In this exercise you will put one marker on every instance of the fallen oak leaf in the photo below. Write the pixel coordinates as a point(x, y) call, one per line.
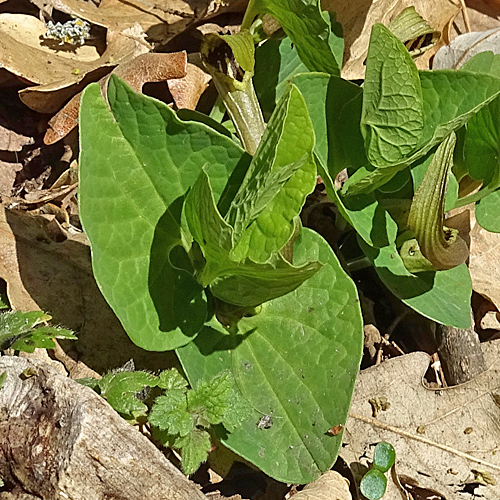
point(143, 69)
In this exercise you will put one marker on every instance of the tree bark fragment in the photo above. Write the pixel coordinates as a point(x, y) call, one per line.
point(60, 440)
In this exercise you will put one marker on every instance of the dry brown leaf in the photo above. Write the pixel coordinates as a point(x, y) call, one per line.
point(11, 143)
point(330, 486)
point(56, 72)
point(186, 91)
point(50, 96)
point(483, 15)
point(484, 263)
point(161, 19)
point(440, 436)
point(490, 321)
point(357, 19)
point(144, 68)
point(48, 268)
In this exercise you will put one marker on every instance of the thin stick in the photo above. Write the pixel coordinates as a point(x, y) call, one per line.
point(443, 447)
point(465, 15)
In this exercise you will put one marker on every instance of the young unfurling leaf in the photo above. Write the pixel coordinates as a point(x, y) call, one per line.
point(440, 245)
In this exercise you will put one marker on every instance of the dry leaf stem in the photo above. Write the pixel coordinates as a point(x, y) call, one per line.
point(390, 428)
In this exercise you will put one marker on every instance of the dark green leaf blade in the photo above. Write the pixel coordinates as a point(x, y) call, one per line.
point(210, 400)
point(334, 105)
point(194, 449)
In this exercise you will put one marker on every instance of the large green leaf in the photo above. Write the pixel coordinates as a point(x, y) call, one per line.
point(276, 63)
point(334, 105)
point(443, 296)
point(296, 361)
point(392, 118)
point(484, 62)
point(308, 29)
point(450, 99)
point(137, 162)
point(288, 139)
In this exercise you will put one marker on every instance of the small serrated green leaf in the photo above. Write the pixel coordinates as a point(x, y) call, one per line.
point(171, 379)
point(194, 447)
point(373, 484)
point(91, 382)
point(392, 119)
point(170, 413)
point(127, 382)
point(384, 456)
point(13, 323)
point(210, 400)
point(121, 389)
point(41, 338)
point(3, 376)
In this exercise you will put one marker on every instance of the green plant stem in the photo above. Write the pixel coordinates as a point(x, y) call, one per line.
point(473, 198)
point(250, 15)
point(244, 110)
point(358, 264)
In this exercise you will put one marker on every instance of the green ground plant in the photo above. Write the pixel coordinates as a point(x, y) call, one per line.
point(374, 483)
point(27, 331)
point(179, 417)
point(195, 233)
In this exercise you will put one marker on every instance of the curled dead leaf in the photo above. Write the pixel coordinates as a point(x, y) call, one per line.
point(144, 68)
point(186, 91)
point(50, 95)
point(330, 486)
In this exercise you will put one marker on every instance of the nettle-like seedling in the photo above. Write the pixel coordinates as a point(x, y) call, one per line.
point(27, 331)
point(374, 483)
point(179, 417)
